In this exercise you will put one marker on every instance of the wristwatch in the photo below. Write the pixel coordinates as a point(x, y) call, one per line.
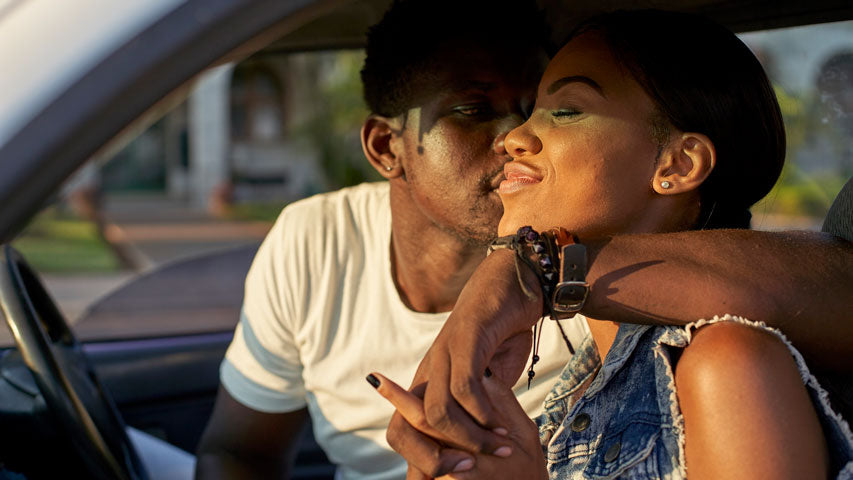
point(572, 289)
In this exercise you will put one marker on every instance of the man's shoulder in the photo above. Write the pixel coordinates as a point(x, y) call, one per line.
point(358, 217)
point(361, 202)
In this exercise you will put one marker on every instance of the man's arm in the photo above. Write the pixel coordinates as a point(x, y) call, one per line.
point(240, 442)
point(798, 282)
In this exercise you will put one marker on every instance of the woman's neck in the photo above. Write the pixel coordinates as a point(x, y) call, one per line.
point(603, 332)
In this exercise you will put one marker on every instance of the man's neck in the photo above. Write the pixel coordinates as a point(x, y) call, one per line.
point(429, 265)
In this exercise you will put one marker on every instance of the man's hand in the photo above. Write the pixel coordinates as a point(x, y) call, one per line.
point(489, 328)
point(520, 434)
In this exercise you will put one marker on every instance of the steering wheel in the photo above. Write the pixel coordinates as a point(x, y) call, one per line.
point(64, 375)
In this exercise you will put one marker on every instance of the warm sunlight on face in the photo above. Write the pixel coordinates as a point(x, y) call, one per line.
point(586, 157)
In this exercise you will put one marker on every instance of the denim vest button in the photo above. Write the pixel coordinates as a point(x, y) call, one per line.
point(580, 422)
point(612, 452)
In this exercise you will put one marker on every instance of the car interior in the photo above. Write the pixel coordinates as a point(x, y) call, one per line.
point(67, 393)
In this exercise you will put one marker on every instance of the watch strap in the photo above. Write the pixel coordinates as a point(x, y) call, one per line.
point(572, 289)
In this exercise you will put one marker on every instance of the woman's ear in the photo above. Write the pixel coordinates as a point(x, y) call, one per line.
point(376, 140)
point(684, 164)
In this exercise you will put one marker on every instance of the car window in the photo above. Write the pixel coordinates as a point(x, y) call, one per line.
point(811, 68)
point(133, 244)
point(212, 174)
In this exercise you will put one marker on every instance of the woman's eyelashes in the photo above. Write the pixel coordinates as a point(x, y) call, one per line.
point(565, 113)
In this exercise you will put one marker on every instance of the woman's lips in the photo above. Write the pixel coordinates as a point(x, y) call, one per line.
point(518, 176)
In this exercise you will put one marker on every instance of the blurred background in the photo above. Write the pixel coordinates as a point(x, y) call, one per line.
point(213, 170)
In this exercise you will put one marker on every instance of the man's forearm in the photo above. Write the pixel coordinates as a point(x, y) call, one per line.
point(240, 442)
point(799, 282)
point(214, 466)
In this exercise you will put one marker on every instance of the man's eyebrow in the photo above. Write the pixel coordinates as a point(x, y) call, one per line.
point(558, 84)
point(471, 85)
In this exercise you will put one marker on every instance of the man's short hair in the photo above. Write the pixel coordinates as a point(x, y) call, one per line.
point(402, 48)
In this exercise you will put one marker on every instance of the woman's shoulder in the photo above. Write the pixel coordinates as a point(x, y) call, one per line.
point(731, 363)
point(745, 405)
point(734, 348)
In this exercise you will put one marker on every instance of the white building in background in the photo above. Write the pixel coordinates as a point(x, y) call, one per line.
point(246, 132)
point(239, 147)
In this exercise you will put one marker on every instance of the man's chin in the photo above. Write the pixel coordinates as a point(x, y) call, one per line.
point(479, 235)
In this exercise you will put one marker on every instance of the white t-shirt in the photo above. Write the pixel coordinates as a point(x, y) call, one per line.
point(321, 311)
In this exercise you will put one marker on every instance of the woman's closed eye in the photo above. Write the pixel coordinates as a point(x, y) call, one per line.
point(565, 113)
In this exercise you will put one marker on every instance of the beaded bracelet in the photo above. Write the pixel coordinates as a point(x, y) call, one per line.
point(541, 252)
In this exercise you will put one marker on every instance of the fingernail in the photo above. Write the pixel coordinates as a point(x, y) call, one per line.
point(504, 451)
point(371, 379)
point(464, 465)
point(487, 373)
point(501, 431)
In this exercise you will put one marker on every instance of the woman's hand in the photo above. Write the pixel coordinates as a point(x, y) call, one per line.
point(521, 433)
point(489, 327)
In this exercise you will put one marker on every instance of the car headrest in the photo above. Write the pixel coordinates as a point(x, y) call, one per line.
point(839, 219)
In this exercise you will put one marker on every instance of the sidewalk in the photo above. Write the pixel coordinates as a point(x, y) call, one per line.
point(159, 230)
point(155, 230)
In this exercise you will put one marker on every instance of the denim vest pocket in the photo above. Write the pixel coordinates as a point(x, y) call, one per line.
point(625, 453)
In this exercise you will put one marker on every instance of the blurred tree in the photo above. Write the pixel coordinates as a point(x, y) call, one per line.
point(334, 124)
point(799, 192)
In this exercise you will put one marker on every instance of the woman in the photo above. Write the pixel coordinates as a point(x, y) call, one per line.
point(655, 122)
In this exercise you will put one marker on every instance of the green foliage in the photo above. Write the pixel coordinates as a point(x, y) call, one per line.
point(334, 126)
point(254, 212)
point(798, 193)
point(60, 243)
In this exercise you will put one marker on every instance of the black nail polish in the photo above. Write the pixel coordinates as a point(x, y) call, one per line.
point(487, 373)
point(371, 379)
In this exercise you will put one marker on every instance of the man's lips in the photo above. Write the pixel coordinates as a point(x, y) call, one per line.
point(518, 176)
point(496, 181)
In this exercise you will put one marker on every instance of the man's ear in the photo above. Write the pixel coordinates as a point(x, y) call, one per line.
point(376, 141)
point(684, 164)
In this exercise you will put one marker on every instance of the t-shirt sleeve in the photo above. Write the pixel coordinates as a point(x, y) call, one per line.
point(262, 367)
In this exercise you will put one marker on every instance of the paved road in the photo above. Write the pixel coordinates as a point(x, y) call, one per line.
point(156, 230)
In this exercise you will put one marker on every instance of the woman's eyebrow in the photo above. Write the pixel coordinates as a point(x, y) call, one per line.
point(558, 84)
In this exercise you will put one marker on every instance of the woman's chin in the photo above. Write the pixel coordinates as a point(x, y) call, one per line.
point(507, 226)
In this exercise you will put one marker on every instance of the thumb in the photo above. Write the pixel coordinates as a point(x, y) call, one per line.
point(519, 425)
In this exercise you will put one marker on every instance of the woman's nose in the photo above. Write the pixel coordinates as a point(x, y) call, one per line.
point(509, 123)
point(521, 141)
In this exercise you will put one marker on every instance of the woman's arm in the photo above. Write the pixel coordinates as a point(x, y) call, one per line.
point(746, 411)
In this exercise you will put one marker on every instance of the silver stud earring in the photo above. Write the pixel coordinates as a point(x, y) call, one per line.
point(665, 184)
point(388, 169)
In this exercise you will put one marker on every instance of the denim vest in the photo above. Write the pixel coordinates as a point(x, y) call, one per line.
point(627, 423)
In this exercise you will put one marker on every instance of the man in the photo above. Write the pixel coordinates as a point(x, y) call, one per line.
point(355, 281)
point(365, 277)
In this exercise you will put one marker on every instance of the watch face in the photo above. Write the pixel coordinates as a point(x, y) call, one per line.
point(569, 296)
